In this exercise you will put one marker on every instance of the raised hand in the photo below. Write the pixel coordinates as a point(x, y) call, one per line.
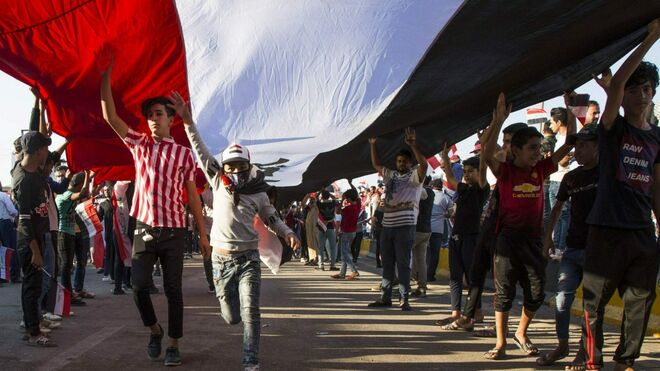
point(372, 140)
point(654, 27)
point(568, 96)
point(293, 241)
point(502, 110)
point(604, 80)
point(180, 106)
point(410, 136)
point(445, 151)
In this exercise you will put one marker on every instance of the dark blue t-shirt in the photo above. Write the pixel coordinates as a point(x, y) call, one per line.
point(627, 156)
point(425, 208)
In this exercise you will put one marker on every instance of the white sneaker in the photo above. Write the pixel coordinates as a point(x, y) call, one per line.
point(303, 260)
point(52, 317)
point(106, 279)
point(252, 368)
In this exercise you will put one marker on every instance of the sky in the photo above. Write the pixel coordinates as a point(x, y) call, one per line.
point(16, 103)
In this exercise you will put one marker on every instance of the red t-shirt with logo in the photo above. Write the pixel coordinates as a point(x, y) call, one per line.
point(521, 197)
point(349, 217)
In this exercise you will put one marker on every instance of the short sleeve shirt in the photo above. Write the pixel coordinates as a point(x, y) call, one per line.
point(627, 156)
point(580, 186)
point(66, 211)
point(470, 200)
point(401, 197)
point(521, 197)
point(161, 170)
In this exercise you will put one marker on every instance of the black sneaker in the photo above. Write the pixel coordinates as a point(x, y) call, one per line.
point(154, 347)
point(380, 303)
point(117, 291)
point(334, 268)
point(77, 301)
point(405, 306)
point(172, 357)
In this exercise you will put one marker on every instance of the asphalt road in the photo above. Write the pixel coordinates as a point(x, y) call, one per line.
point(309, 322)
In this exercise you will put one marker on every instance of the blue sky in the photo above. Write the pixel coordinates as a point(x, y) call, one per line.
point(16, 102)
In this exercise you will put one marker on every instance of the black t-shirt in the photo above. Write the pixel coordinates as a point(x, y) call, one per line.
point(327, 211)
point(470, 200)
point(581, 187)
point(625, 185)
point(30, 192)
point(425, 209)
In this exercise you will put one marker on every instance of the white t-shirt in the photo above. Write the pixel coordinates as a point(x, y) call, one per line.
point(401, 197)
point(561, 170)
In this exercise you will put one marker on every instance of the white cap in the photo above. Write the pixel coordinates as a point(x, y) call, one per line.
point(235, 152)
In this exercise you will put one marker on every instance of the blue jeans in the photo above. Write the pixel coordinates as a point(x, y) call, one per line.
point(237, 285)
point(561, 229)
point(570, 277)
point(396, 247)
point(329, 235)
point(345, 242)
point(47, 298)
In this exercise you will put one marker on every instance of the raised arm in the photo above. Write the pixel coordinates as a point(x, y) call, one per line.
point(375, 159)
point(446, 167)
point(84, 190)
point(618, 82)
point(571, 128)
point(489, 147)
point(35, 113)
point(411, 140)
point(208, 163)
point(108, 105)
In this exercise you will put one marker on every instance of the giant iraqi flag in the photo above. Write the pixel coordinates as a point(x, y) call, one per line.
point(304, 83)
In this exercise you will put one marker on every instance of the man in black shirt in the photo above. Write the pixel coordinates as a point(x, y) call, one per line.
point(471, 195)
point(29, 187)
point(327, 206)
point(422, 237)
point(580, 186)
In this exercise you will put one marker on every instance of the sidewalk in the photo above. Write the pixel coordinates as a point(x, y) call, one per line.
point(309, 322)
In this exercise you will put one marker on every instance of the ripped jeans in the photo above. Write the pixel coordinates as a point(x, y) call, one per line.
point(237, 282)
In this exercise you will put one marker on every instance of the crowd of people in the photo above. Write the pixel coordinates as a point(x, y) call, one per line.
point(584, 197)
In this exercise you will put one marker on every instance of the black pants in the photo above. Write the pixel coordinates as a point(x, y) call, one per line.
point(356, 244)
point(626, 260)
point(519, 259)
point(376, 239)
point(30, 288)
point(118, 267)
point(433, 255)
point(167, 246)
point(81, 250)
point(66, 247)
point(482, 262)
point(461, 252)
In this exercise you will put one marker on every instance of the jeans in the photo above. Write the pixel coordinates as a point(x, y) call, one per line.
point(570, 277)
point(30, 288)
point(433, 255)
point(396, 247)
point(561, 229)
point(345, 242)
point(331, 236)
point(81, 249)
point(65, 245)
point(8, 237)
point(237, 286)
point(166, 246)
point(420, 246)
point(48, 284)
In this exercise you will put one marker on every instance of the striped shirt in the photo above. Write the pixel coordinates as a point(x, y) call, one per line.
point(161, 170)
point(402, 193)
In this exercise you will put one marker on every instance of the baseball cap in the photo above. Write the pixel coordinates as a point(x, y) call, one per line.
point(588, 132)
point(235, 152)
point(32, 141)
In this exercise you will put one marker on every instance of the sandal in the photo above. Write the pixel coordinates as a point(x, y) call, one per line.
point(495, 354)
point(41, 341)
point(527, 347)
point(550, 358)
point(445, 321)
point(486, 332)
point(455, 326)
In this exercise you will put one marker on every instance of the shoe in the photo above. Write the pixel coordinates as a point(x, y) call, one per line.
point(211, 290)
point(154, 347)
point(106, 279)
point(321, 268)
point(117, 291)
point(252, 368)
point(153, 290)
point(49, 325)
point(99, 271)
point(405, 306)
point(419, 293)
point(76, 300)
point(172, 357)
point(377, 288)
point(334, 268)
point(353, 276)
point(380, 303)
point(338, 276)
point(86, 294)
point(303, 260)
point(52, 317)
point(378, 265)
point(126, 288)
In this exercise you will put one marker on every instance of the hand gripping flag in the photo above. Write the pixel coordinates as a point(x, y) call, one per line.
point(270, 247)
point(94, 228)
